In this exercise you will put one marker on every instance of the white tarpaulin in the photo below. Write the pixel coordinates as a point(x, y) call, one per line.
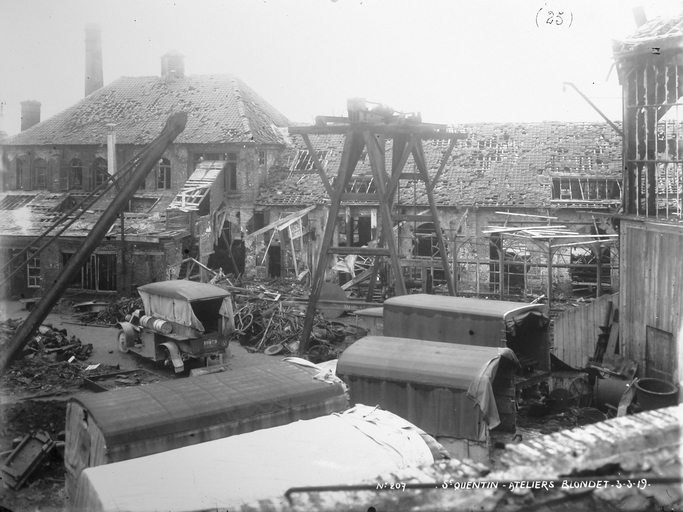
point(173, 310)
point(356, 445)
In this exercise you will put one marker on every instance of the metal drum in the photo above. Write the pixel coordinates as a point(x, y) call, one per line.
point(156, 324)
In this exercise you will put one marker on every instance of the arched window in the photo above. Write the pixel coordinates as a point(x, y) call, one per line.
point(40, 173)
point(76, 174)
point(19, 174)
point(99, 169)
point(164, 174)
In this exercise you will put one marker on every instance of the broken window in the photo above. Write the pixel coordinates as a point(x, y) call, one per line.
point(304, 162)
point(33, 270)
point(164, 174)
point(40, 173)
point(76, 174)
point(577, 188)
point(98, 273)
point(99, 168)
point(230, 171)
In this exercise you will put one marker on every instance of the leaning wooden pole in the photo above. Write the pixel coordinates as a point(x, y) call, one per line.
point(174, 127)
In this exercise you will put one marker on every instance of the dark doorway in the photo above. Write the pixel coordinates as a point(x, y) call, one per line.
point(274, 261)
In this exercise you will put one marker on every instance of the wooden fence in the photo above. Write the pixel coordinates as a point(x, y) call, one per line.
point(576, 330)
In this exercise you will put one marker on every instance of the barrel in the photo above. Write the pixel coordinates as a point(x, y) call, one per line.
point(655, 394)
point(609, 392)
point(156, 324)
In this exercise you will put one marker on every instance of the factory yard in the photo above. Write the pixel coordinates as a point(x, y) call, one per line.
point(36, 389)
point(34, 393)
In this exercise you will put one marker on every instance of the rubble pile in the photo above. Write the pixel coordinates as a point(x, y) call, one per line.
point(57, 345)
point(114, 312)
point(270, 319)
point(38, 375)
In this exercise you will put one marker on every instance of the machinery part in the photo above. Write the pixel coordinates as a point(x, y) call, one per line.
point(174, 356)
point(274, 349)
point(174, 127)
point(125, 336)
point(123, 345)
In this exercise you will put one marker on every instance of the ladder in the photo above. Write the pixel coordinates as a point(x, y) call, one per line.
point(370, 130)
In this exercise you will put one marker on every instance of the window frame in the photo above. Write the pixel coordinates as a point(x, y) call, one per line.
point(230, 173)
point(40, 164)
point(19, 174)
point(76, 164)
point(100, 173)
point(33, 276)
point(163, 174)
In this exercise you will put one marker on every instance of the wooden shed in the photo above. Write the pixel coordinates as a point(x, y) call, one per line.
point(138, 421)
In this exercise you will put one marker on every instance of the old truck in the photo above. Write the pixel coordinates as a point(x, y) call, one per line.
point(183, 320)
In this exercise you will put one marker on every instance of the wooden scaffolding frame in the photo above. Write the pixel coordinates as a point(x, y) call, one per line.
point(370, 130)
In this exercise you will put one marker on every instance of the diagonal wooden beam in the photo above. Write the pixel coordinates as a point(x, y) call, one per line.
point(353, 148)
point(318, 165)
point(398, 168)
point(418, 155)
point(377, 163)
point(442, 166)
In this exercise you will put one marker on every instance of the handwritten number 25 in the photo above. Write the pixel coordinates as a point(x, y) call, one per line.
point(557, 19)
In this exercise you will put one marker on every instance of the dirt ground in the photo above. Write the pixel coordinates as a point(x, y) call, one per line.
point(43, 407)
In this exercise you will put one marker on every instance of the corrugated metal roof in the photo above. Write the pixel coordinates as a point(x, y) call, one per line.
point(184, 290)
point(431, 363)
point(498, 164)
point(172, 408)
point(220, 108)
point(497, 309)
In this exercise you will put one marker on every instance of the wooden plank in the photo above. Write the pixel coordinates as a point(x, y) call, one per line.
point(442, 165)
point(419, 157)
point(414, 176)
point(377, 164)
point(318, 166)
point(362, 251)
point(358, 196)
point(412, 218)
point(613, 333)
point(358, 279)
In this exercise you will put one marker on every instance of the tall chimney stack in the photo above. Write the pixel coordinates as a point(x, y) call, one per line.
point(172, 65)
point(93, 58)
point(30, 114)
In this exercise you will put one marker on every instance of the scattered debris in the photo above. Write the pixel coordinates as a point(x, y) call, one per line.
point(25, 458)
point(269, 319)
point(105, 313)
point(109, 381)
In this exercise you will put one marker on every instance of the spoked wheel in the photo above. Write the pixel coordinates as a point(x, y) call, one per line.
point(123, 346)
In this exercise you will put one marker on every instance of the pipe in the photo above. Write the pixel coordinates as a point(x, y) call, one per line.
point(174, 126)
point(616, 128)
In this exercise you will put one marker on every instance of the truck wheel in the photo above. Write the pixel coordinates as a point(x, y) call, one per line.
point(121, 338)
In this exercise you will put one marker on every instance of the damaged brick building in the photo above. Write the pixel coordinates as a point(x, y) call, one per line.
point(567, 172)
point(51, 165)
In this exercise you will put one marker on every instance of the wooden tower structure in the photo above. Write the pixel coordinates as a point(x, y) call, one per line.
point(370, 130)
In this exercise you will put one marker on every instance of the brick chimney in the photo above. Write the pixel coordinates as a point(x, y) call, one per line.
point(172, 65)
point(30, 114)
point(93, 58)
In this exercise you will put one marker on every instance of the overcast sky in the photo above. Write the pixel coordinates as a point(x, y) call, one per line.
point(455, 61)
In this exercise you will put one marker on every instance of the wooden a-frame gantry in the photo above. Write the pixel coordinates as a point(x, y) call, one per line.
point(370, 130)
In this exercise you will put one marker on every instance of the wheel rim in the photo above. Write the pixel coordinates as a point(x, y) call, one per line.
point(123, 346)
